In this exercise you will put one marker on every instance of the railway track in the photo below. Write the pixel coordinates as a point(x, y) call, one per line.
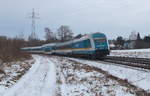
point(129, 61)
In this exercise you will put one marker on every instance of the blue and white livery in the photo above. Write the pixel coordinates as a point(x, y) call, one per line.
point(92, 46)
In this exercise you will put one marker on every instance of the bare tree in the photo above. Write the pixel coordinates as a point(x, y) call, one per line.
point(10, 49)
point(32, 37)
point(139, 36)
point(119, 42)
point(21, 35)
point(65, 33)
point(49, 36)
point(133, 35)
point(33, 40)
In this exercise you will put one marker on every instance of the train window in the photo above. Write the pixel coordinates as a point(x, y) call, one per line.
point(100, 40)
point(82, 44)
point(87, 43)
point(68, 46)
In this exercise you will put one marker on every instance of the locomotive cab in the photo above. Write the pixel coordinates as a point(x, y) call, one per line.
point(100, 44)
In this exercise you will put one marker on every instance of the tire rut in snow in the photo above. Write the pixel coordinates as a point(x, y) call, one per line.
point(35, 82)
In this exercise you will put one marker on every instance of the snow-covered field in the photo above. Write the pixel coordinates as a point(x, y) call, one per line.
point(62, 76)
point(77, 79)
point(140, 53)
point(135, 76)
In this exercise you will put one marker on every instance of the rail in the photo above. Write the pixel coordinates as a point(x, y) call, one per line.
point(129, 61)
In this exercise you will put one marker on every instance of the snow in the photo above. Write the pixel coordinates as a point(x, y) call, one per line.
point(38, 81)
point(133, 50)
point(60, 76)
point(74, 79)
point(12, 71)
point(140, 53)
point(137, 77)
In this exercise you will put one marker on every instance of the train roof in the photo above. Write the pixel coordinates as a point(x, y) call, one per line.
point(32, 47)
point(87, 36)
point(49, 44)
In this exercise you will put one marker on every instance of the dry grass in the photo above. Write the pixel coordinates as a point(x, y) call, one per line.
point(19, 68)
point(94, 83)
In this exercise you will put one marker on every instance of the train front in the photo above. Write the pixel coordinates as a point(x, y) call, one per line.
point(101, 45)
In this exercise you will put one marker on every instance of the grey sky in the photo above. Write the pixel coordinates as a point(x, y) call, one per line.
point(113, 17)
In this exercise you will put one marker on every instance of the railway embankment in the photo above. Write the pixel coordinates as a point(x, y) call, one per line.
point(81, 78)
point(139, 77)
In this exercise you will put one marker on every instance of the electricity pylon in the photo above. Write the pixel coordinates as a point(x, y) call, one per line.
point(33, 16)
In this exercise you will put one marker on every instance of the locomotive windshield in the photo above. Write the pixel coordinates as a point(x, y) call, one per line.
point(100, 43)
point(100, 40)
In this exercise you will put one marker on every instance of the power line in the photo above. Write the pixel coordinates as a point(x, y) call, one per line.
point(33, 16)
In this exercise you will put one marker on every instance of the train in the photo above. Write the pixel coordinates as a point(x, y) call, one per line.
point(93, 45)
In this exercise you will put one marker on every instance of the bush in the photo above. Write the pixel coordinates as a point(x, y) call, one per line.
point(10, 49)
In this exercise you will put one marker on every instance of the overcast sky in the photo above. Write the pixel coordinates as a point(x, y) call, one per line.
point(113, 17)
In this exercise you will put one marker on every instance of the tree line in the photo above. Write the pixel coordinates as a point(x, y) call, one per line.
point(133, 42)
point(10, 47)
point(64, 33)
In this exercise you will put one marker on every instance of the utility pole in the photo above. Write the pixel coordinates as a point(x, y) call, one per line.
point(33, 16)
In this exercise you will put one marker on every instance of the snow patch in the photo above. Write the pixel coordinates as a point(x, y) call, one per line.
point(38, 81)
point(139, 53)
point(138, 77)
